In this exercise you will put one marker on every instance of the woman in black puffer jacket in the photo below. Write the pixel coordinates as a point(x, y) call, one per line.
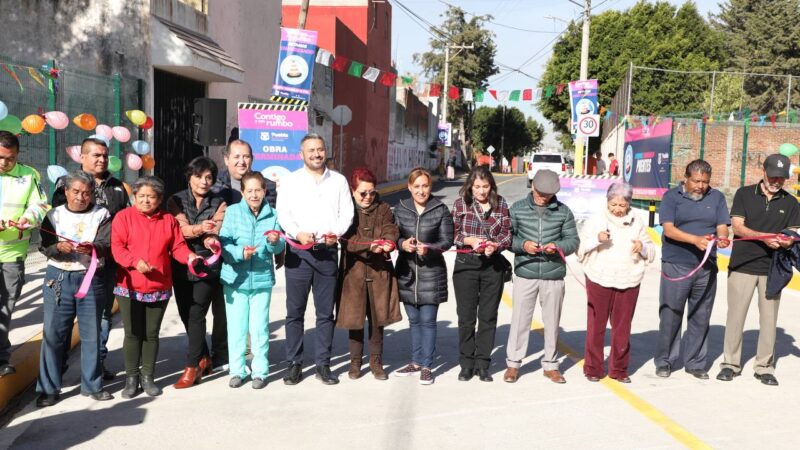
point(426, 230)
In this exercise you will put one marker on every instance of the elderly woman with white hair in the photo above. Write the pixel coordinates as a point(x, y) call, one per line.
point(614, 251)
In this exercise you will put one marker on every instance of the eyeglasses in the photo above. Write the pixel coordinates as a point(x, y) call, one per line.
point(366, 194)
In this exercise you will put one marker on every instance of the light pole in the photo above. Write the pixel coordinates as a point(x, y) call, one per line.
point(579, 142)
point(502, 137)
point(447, 73)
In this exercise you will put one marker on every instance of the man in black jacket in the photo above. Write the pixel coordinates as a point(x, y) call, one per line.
point(110, 193)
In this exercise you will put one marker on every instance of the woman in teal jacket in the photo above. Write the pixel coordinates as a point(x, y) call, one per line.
point(248, 276)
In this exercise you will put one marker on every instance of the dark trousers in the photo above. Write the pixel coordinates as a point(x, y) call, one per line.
point(478, 285)
point(422, 321)
point(310, 270)
point(604, 304)
point(60, 309)
point(11, 281)
point(375, 333)
point(142, 322)
point(698, 292)
point(194, 298)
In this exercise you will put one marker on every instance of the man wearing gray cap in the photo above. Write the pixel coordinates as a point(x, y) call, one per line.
point(541, 225)
point(758, 209)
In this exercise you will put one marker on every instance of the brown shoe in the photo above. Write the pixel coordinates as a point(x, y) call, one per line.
point(190, 377)
point(355, 368)
point(554, 376)
point(511, 375)
point(376, 366)
point(205, 365)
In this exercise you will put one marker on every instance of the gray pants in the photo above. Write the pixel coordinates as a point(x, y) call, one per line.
point(11, 281)
point(551, 296)
point(697, 292)
point(740, 292)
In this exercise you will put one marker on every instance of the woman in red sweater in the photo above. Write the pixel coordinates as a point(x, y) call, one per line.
point(143, 239)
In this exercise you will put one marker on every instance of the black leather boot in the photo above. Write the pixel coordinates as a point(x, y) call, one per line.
point(131, 387)
point(149, 386)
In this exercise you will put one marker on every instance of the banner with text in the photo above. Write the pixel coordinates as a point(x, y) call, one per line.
point(582, 100)
point(585, 196)
point(646, 165)
point(295, 69)
point(275, 137)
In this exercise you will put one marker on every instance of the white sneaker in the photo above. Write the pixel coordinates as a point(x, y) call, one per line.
point(425, 376)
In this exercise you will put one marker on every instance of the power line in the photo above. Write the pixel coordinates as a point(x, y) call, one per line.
point(496, 23)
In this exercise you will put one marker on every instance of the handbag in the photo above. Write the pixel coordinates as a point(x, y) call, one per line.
point(508, 269)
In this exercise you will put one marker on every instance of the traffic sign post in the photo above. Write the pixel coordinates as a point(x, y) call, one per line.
point(341, 115)
point(589, 125)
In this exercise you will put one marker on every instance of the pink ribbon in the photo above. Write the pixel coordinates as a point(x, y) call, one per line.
point(709, 248)
point(83, 289)
point(293, 243)
point(217, 250)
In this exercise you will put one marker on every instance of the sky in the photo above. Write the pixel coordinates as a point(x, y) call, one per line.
point(543, 20)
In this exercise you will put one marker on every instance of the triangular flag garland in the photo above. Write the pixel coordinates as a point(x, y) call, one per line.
point(436, 90)
point(452, 93)
point(356, 69)
point(527, 95)
point(340, 64)
point(467, 94)
point(324, 57)
point(371, 74)
point(388, 79)
point(514, 96)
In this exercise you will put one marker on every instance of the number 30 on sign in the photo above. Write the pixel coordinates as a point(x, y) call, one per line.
point(589, 125)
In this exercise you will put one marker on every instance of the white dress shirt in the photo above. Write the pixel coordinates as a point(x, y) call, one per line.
point(322, 206)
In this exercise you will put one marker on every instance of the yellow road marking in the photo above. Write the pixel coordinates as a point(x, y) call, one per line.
point(681, 434)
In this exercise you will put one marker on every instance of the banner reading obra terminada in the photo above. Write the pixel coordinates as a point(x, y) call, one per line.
point(295, 69)
point(646, 164)
point(274, 135)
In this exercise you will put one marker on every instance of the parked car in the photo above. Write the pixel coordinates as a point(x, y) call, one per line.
point(551, 161)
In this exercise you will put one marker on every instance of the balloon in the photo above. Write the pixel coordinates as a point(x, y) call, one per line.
point(141, 147)
point(134, 162)
point(121, 134)
point(33, 124)
point(102, 138)
point(74, 153)
point(56, 119)
point(114, 163)
point(105, 131)
point(787, 149)
point(3, 110)
point(148, 162)
point(12, 124)
point(55, 172)
point(85, 121)
point(147, 124)
point(136, 117)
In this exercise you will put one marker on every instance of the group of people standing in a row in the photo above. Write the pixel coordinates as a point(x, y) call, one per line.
point(217, 245)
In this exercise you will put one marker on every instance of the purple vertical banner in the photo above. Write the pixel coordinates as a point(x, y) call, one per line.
point(295, 69)
point(646, 164)
point(274, 136)
point(582, 100)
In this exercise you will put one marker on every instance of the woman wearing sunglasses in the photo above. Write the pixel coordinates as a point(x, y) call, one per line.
point(368, 288)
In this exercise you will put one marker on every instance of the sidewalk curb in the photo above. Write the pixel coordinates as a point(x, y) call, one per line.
point(25, 359)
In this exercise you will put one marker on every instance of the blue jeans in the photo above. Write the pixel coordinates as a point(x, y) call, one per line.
point(422, 319)
point(60, 309)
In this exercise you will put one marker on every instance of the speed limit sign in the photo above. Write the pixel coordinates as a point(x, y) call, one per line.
point(589, 125)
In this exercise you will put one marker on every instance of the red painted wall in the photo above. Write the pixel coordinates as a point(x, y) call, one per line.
point(362, 34)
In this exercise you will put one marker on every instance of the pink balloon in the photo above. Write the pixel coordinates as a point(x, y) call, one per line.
point(134, 162)
point(104, 130)
point(56, 119)
point(74, 152)
point(121, 134)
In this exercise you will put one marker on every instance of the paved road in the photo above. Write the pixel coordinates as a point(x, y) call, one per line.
point(399, 413)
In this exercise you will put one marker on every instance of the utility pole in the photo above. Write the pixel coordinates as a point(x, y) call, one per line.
point(301, 19)
point(502, 137)
point(447, 73)
point(579, 142)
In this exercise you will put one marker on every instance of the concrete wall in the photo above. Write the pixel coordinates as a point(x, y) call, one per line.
point(409, 135)
point(319, 111)
point(97, 36)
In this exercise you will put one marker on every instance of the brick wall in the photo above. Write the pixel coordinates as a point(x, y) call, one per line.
point(724, 147)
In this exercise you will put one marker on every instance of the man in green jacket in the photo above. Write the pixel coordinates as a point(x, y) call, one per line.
point(22, 203)
point(541, 226)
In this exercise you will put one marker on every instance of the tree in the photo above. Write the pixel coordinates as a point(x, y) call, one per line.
point(762, 37)
point(521, 135)
point(470, 68)
point(648, 34)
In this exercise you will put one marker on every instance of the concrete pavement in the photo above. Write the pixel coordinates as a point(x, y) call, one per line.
point(399, 413)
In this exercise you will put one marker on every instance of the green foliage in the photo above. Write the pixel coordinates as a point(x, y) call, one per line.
point(652, 34)
point(762, 37)
point(521, 135)
point(470, 68)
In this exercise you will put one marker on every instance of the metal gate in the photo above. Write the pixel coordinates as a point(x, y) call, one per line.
point(172, 120)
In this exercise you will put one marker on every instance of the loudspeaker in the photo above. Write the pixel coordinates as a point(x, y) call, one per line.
point(209, 121)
